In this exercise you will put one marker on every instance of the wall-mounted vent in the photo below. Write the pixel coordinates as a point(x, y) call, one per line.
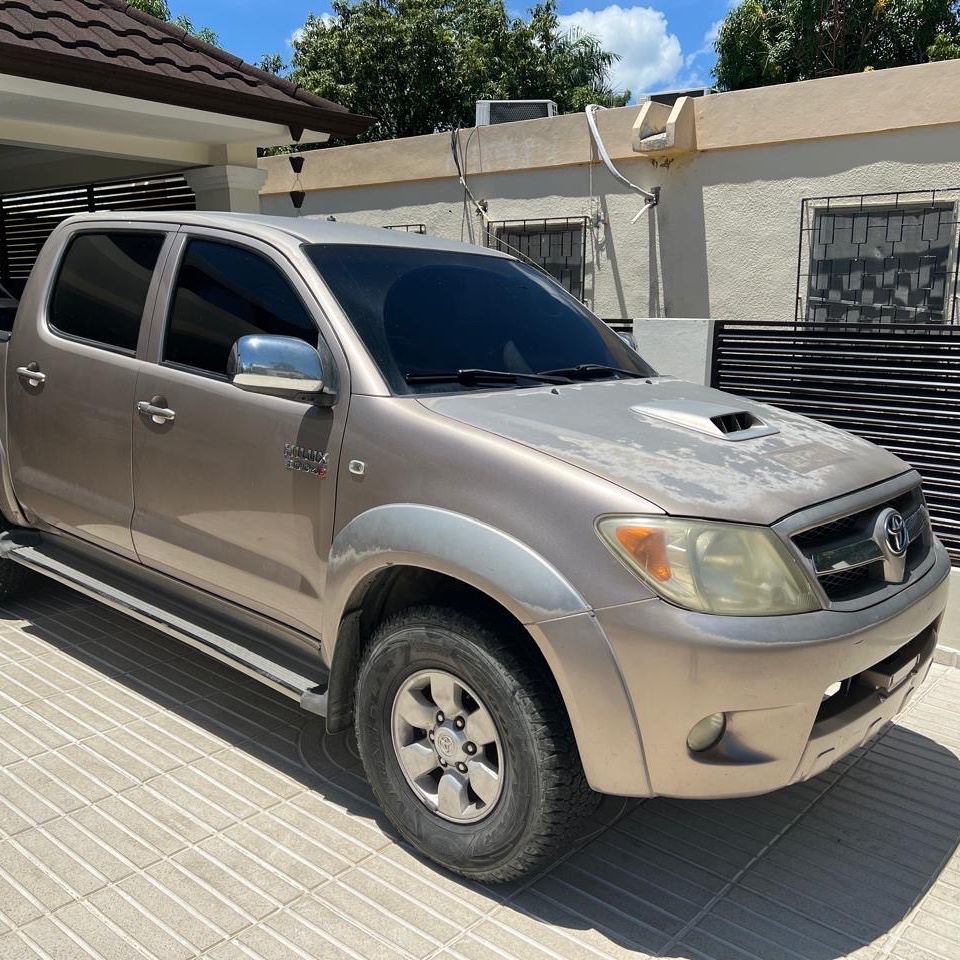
point(709, 418)
point(507, 111)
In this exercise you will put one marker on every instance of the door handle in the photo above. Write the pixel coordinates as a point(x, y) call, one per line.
point(32, 376)
point(157, 414)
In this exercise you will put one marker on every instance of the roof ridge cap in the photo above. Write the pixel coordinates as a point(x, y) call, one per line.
point(292, 90)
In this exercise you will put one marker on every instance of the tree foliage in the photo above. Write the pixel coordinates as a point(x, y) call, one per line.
point(420, 65)
point(778, 41)
point(161, 10)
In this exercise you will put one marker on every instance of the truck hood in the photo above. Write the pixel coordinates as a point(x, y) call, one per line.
point(690, 450)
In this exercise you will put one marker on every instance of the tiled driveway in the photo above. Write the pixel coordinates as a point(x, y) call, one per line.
point(155, 804)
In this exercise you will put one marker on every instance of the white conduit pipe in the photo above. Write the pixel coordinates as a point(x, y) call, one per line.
point(651, 198)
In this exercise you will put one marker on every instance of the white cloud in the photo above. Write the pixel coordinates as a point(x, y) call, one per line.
point(297, 34)
point(650, 56)
point(710, 37)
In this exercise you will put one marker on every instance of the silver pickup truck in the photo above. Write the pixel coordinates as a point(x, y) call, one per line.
point(418, 487)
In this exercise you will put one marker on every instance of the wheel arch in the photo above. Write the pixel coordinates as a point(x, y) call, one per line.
point(396, 555)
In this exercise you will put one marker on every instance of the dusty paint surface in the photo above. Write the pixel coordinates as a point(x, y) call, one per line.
point(685, 471)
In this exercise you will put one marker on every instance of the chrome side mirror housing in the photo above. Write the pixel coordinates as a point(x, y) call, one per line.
point(630, 340)
point(279, 366)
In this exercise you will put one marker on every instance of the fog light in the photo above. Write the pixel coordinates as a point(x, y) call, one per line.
point(707, 732)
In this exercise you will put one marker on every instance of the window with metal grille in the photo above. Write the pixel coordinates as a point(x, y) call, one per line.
point(27, 219)
point(420, 228)
point(863, 260)
point(556, 246)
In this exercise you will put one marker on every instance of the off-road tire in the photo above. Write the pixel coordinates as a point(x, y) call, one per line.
point(15, 580)
point(544, 797)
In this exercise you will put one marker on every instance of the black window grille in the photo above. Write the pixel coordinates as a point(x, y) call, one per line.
point(27, 219)
point(420, 228)
point(556, 246)
point(879, 258)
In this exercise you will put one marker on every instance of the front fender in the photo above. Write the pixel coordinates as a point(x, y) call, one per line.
point(558, 619)
point(508, 571)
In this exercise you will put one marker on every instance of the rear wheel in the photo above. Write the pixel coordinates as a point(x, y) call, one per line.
point(467, 745)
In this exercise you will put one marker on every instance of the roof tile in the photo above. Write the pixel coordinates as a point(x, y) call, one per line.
point(109, 46)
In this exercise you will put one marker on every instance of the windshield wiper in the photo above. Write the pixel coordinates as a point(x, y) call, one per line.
point(589, 371)
point(473, 375)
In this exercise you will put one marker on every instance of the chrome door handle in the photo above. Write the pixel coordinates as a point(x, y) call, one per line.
point(157, 414)
point(33, 377)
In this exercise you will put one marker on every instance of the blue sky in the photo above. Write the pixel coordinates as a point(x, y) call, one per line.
point(664, 44)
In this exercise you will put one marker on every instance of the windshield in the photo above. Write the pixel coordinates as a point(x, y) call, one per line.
point(436, 321)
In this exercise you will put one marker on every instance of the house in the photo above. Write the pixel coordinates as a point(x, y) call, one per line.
point(93, 92)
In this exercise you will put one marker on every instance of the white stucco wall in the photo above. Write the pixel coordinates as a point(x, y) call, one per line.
point(732, 250)
point(618, 271)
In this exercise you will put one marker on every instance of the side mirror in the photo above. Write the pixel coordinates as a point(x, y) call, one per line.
point(630, 340)
point(282, 366)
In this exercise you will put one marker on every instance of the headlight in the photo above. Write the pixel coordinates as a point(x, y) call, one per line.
point(721, 568)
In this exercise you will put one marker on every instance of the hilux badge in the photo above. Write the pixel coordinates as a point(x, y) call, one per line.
point(305, 460)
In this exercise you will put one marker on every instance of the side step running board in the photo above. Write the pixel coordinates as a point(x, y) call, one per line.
point(51, 563)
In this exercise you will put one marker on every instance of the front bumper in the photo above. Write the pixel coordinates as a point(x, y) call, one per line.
point(768, 675)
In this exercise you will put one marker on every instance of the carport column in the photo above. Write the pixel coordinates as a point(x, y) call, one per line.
point(227, 187)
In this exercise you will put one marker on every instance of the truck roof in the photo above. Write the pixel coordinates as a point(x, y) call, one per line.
point(301, 229)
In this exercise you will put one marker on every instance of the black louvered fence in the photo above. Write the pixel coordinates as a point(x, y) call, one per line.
point(27, 219)
point(897, 385)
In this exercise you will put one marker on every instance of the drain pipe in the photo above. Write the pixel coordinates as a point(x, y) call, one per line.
point(652, 197)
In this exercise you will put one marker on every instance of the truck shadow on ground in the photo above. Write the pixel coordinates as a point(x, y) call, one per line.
point(814, 871)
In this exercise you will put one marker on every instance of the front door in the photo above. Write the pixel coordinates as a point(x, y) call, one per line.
point(71, 372)
point(221, 501)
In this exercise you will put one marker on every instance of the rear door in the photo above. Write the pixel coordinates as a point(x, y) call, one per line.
point(235, 494)
point(71, 371)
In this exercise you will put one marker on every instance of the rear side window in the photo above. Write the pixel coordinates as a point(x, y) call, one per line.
point(101, 288)
point(224, 293)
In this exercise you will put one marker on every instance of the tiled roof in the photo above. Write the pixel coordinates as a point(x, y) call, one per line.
point(109, 46)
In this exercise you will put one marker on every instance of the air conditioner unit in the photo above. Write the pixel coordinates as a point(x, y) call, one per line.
point(506, 111)
point(669, 97)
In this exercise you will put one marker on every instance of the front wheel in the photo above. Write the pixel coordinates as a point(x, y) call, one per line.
point(467, 745)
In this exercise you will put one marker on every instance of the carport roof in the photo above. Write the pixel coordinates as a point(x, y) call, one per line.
point(108, 46)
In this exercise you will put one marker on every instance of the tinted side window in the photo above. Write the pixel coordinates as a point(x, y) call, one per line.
point(224, 293)
point(101, 289)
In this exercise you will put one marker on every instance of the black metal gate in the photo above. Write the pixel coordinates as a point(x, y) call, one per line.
point(27, 219)
point(897, 385)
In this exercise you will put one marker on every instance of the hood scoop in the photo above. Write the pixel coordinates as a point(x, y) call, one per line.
point(713, 419)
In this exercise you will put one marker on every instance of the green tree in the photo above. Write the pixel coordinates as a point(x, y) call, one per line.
point(272, 63)
point(161, 10)
point(420, 65)
point(778, 41)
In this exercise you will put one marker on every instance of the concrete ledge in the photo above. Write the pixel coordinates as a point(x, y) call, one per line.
point(947, 656)
point(675, 345)
point(948, 650)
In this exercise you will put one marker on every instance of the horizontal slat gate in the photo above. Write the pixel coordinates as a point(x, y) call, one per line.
point(894, 384)
point(27, 219)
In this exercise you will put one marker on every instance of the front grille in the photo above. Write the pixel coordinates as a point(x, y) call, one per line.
point(865, 574)
point(849, 584)
point(818, 538)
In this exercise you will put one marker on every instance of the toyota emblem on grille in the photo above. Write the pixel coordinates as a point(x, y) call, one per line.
point(896, 533)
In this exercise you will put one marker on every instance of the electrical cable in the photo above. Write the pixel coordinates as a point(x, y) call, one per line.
point(455, 149)
point(652, 198)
